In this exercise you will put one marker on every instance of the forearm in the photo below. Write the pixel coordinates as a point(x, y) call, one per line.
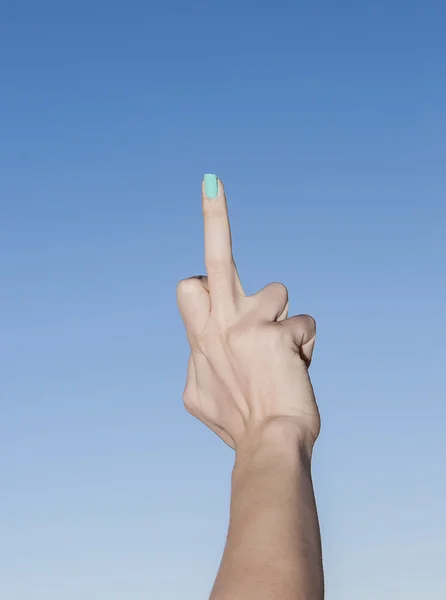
point(273, 548)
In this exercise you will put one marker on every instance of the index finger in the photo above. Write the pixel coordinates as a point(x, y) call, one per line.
point(223, 279)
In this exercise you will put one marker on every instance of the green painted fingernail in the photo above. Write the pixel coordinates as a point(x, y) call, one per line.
point(211, 185)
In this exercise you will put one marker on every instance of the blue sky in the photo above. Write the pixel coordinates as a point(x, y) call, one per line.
point(327, 123)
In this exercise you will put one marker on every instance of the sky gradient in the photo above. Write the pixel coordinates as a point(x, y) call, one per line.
point(327, 123)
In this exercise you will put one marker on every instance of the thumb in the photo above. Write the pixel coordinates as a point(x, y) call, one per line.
point(303, 332)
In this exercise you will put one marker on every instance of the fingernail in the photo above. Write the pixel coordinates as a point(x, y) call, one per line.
point(211, 185)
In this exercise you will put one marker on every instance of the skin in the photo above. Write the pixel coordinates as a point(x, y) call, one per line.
point(248, 381)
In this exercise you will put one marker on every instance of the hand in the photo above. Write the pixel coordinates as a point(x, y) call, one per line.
point(249, 362)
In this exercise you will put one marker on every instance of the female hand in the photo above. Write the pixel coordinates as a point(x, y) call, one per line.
point(249, 361)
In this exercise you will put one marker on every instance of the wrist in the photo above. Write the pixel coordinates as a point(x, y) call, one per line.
point(279, 439)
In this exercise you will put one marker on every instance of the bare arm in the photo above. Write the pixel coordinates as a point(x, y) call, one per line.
point(273, 546)
point(248, 381)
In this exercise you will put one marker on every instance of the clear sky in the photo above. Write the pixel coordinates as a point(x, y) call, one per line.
point(327, 122)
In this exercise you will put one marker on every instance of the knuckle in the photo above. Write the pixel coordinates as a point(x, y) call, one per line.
point(187, 286)
point(281, 293)
point(214, 210)
point(189, 402)
point(281, 288)
point(310, 322)
point(217, 266)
